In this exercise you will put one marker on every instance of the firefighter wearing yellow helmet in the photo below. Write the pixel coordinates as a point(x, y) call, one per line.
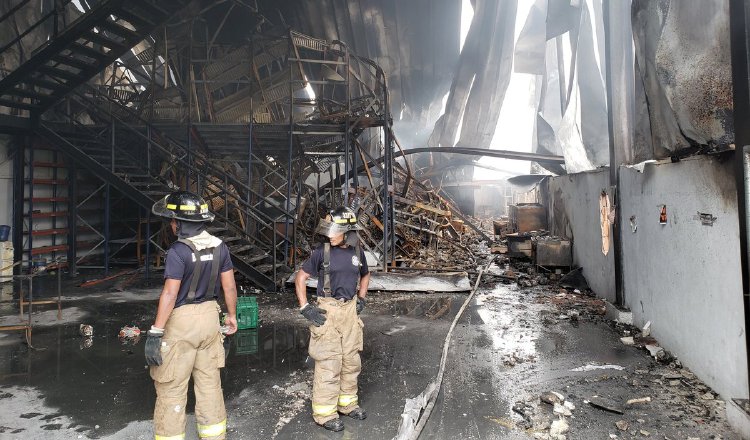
point(336, 330)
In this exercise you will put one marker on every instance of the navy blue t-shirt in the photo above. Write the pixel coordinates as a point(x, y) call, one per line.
point(343, 269)
point(180, 263)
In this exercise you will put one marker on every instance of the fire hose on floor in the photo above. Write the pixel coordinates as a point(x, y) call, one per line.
point(417, 410)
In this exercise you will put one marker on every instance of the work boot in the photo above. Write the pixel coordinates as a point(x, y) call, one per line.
point(334, 425)
point(357, 414)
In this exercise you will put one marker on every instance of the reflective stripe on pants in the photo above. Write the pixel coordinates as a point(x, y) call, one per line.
point(323, 410)
point(171, 437)
point(211, 431)
point(347, 400)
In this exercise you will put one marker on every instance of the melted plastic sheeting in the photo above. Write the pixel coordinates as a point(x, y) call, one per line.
point(683, 75)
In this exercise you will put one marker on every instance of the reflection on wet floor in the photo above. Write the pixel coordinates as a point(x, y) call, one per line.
point(106, 383)
point(431, 307)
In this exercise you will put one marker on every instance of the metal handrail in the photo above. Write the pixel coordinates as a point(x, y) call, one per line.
point(172, 142)
point(28, 30)
point(230, 224)
point(263, 220)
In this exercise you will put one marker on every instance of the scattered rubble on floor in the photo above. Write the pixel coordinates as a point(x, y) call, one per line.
point(639, 400)
point(592, 367)
point(86, 330)
point(605, 404)
point(129, 335)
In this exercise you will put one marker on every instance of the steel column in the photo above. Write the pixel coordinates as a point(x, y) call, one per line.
point(249, 163)
point(614, 157)
point(18, 193)
point(347, 137)
point(289, 157)
point(148, 245)
point(72, 220)
point(31, 205)
point(107, 216)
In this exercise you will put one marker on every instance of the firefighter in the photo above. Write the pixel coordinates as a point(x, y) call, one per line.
point(336, 330)
point(185, 339)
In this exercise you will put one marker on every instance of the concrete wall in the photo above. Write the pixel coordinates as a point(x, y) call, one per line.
point(685, 277)
point(573, 210)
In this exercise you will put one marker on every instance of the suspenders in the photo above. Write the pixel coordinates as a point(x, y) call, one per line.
point(327, 267)
point(198, 270)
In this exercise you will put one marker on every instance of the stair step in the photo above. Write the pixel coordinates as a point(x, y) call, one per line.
point(86, 51)
point(240, 249)
point(112, 27)
point(59, 73)
point(72, 62)
point(54, 86)
point(134, 176)
point(268, 268)
point(15, 91)
point(231, 239)
point(101, 39)
point(254, 258)
point(22, 105)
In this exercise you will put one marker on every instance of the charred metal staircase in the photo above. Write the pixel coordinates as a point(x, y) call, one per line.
point(127, 158)
point(77, 53)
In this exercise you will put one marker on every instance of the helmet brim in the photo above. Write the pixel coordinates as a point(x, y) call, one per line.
point(160, 208)
point(330, 229)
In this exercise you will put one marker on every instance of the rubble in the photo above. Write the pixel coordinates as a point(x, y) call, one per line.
point(639, 400)
point(592, 367)
point(605, 404)
point(86, 330)
point(561, 410)
point(129, 335)
point(575, 280)
point(628, 340)
point(129, 332)
point(430, 232)
point(646, 330)
point(622, 425)
point(558, 428)
point(551, 398)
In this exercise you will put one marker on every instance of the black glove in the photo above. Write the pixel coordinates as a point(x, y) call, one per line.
point(153, 348)
point(360, 305)
point(314, 314)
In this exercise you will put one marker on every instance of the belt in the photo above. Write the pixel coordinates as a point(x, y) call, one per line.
point(342, 301)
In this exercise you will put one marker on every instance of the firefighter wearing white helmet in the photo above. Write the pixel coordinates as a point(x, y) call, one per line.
point(336, 330)
point(185, 339)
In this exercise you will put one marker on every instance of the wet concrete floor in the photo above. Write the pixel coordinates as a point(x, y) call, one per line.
point(509, 347)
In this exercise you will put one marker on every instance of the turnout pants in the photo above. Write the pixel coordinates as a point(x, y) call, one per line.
point(335, 347)
point(192, 345)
